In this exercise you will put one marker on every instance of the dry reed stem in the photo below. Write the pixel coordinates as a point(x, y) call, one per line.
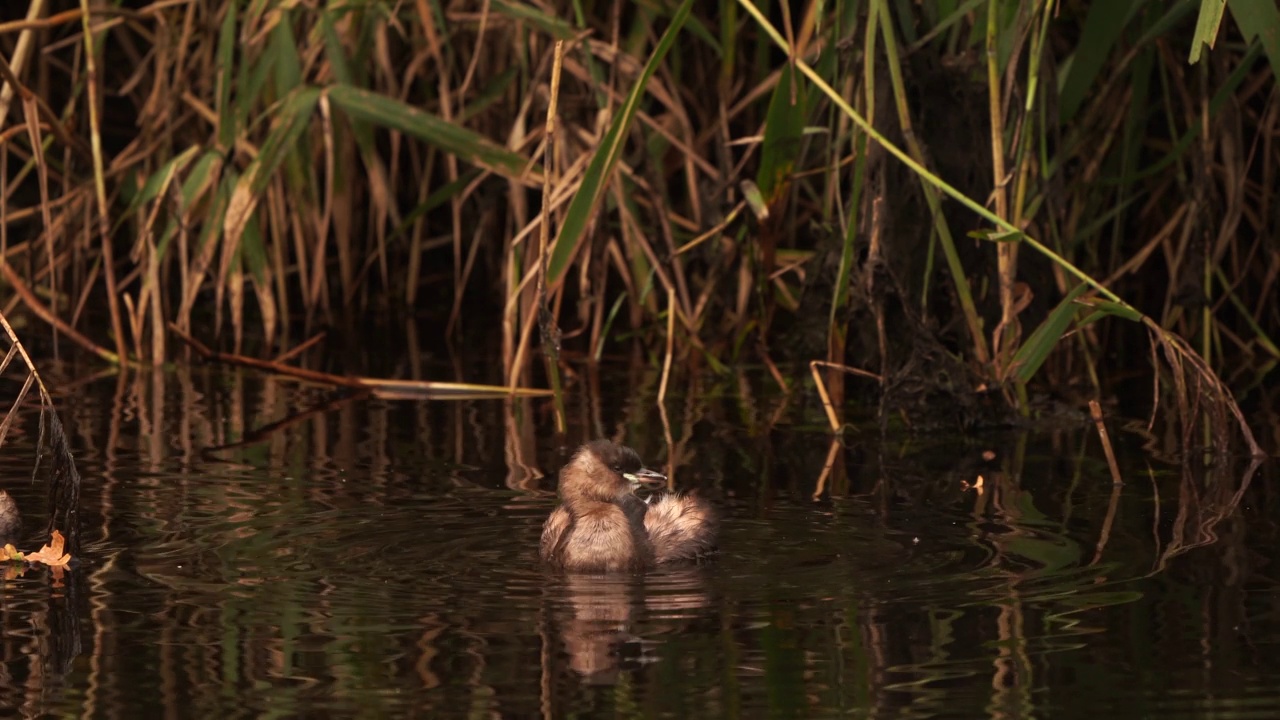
point(42, 180)
point(669, 439)
point(546, 320)
point(34, 22)
point(279, 368)
point(1158, 240)
point(42, 109)
point(33, 303)
point(380, 387)
point(833, 451)
point(1095, 411)
point(21, 51)
point(715, 230)
point(1006, 253)
point(707, 148)
point(32, 375)
point(1176, 351)
point(63, 480)
point(150, 292)
point(57, 485)
point(666, 358)
point(94, 90)
point(301, 348)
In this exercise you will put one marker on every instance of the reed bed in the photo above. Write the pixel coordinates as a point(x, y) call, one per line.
point(943, 199)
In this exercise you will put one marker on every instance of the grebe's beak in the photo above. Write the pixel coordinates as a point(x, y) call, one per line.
point(645, 478)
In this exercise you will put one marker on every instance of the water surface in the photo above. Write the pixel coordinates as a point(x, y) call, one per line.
point(260, 547)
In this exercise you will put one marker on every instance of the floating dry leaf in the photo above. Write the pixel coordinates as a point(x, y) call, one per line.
point(51, 554)
point(11, 553)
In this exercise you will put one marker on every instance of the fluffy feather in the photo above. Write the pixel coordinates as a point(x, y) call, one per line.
point(601, 526)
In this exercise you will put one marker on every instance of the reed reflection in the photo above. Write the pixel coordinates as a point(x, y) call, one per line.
point(259, 544)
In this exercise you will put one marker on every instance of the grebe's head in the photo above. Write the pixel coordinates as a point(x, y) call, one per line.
point(604, 471)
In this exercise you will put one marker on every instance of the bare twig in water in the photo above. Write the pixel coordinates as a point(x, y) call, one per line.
point(1105, 535)
point(212, 355)
point(380, 387)
point(827, 467)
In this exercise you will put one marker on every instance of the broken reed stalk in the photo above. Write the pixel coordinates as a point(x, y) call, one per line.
point(546, 320)
point(1095, 410)
point(830, 409)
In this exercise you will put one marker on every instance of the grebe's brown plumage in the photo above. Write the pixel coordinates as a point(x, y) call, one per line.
point(601, 526)
point(10, 518)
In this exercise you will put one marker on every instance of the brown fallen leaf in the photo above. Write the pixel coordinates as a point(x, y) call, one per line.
point(51, 554)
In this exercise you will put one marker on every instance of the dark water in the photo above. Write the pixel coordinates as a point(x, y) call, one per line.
point(254, 547)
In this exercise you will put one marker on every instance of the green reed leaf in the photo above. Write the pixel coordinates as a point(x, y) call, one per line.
point(1207, 24)
point(783, 131)
point(1257, 19)
point(1044, 338)
point(151, 188)
point(598, 172)
point(530, 14)
point(468, 145)
point(287, 126)
point(1103, 27)
point(1109, 307)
